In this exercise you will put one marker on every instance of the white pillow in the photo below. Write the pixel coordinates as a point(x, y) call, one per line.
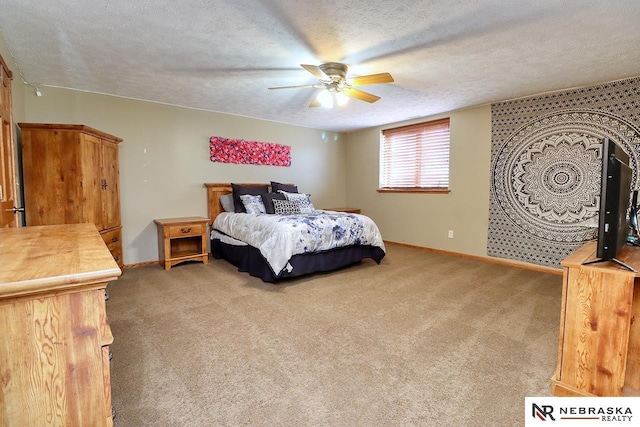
point(253, 204)
point(302, 199)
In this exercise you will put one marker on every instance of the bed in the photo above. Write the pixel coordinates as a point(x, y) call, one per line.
point(276, 247)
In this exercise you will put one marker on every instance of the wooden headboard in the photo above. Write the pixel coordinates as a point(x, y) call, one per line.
point(214, 191)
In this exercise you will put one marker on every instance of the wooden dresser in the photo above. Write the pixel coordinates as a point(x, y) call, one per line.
point(71, 175)
point(54, 332)
point(599, 342)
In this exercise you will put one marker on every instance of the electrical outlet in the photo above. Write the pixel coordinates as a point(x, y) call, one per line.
point(451, 234)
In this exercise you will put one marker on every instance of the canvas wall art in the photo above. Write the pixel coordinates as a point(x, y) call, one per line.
point(227, 150)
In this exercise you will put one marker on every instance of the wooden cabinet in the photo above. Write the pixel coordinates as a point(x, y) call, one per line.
point(71, 176)
point(182, 239)
point(54, 331)
point(599, 342)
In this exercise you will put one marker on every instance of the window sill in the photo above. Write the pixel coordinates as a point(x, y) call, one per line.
point(415, 190)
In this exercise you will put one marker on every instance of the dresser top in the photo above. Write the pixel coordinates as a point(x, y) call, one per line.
point(183, 220)
point(53, 258)
point(629, 255)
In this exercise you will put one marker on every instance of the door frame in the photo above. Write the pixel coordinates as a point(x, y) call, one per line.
point(8, 189)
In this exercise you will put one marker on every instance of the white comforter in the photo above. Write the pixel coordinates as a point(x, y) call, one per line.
point(279, 237)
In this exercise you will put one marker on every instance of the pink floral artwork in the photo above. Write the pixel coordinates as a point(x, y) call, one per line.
point(226, 150)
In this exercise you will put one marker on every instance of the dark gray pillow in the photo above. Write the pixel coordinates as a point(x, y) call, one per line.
point(239, 190)
point(289, 188)
point(267, 200)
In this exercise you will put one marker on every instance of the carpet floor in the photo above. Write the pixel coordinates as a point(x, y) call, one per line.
point(423, 339)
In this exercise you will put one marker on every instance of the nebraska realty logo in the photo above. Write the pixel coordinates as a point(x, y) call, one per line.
point(581, 411)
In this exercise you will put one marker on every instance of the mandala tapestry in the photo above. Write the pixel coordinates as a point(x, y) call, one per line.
point(546, 158)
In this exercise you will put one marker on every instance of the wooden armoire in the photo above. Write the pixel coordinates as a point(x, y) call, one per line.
point(70, 175)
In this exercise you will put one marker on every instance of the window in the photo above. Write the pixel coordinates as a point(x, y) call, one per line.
point(415, 157)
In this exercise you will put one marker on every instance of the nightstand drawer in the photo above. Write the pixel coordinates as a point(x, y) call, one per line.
point(186, 230)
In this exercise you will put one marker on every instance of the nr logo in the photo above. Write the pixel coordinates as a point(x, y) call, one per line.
point(543, 412)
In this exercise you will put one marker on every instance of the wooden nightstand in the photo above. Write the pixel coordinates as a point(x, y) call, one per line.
point(182, 239)
point(347, 210)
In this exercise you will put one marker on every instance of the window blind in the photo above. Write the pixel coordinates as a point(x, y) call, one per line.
point(416, 156)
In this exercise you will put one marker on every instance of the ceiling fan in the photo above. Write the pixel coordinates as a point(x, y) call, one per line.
point(333, 79)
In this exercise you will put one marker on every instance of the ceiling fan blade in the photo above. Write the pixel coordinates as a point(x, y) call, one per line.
point(291, 87)
point(316, 71)
point(371, 79)
point(361, 95)
point(314, 99)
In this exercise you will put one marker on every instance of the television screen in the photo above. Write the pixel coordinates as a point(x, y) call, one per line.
point(615, 194)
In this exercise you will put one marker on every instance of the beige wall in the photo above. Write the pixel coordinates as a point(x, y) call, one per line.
point(424, 219)
point(164, 158)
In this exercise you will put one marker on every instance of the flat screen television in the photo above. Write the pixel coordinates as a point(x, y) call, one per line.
point(615, 194)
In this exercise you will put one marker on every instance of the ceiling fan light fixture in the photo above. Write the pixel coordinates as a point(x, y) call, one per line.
point(331, 99)
point(341, 99)
point(325, 99)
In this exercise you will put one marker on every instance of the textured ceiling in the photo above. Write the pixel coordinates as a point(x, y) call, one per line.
point(222, 55)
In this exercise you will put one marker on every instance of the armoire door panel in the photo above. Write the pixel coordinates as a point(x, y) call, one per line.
point(111, 186)
point(55, 180)
point(92, 181)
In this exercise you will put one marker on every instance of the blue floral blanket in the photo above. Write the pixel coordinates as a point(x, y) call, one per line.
point(279, 237)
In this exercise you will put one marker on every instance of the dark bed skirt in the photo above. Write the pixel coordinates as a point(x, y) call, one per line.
point(249, 259)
